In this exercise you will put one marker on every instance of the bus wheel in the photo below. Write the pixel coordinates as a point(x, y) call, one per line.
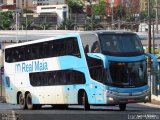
point(30, 106)
point(85, 101)
point(21, 101)
point(122, 107)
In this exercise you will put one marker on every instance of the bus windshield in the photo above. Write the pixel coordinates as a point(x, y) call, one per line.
point(121, 44)
point(124, 74)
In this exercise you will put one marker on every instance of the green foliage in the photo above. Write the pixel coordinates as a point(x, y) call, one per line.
point(99, 9)
point(67, 24)
point(27, 11)
point(92, 24)
point(119, 12)
point(26, 25)
point(5, 20)
point(76, 6)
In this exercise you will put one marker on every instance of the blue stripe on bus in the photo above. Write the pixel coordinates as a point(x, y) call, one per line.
point(126, 59)
point(129, 90)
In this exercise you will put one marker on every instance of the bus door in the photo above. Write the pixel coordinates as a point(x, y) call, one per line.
point(64, 81)
point(71, 81)
point(96, 69)
point(96, 73)
point(99, 92)
point(71, 94)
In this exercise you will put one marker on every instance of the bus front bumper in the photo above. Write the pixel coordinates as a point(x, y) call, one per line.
point(113, 98)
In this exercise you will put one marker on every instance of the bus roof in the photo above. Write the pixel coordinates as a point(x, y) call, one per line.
point(42, 40)
point(59, 35)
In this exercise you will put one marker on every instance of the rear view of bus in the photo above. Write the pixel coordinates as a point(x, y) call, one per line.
point(117, 63)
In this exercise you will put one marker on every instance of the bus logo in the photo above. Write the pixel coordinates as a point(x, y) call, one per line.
point(32, 66)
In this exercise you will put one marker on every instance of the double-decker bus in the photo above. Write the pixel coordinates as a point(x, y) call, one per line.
point(84, 68)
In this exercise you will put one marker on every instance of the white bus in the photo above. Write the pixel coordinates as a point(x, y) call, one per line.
point(87, 68)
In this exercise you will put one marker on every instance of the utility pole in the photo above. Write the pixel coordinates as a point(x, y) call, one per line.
point(112, 19)
point(149, 45)
point(157, 16)
point(16, 21)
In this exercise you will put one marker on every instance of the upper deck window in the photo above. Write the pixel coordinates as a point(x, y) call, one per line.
point(52, 48)
point(120, 44)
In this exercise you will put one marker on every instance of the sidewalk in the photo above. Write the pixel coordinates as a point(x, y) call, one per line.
point(155, 99)
point(155, 102)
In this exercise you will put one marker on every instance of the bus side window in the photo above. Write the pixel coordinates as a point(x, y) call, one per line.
point(69, 47)
point(45, 50)
point(57, 77)
point(72, 47)
point(76, 51)
point(15, 55)
point(51, 78)
point(76, 77)
point(95, 68)
point(28, 53)
point(8, 55)
point(34, 52)
point(50, 49)
point(68, 77)
point(21, 54)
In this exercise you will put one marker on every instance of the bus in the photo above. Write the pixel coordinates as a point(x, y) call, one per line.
point(82, 68)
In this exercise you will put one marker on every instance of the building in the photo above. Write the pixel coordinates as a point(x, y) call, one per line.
point(1, 2)
point(49, 2)
point(32, 4)
point(61, 11)
point(143, 5)
point(130, 5)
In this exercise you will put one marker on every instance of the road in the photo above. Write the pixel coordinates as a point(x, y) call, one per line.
point(133, 112)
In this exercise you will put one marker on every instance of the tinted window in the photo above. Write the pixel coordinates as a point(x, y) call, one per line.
point(61, 47)
point(63, 77)
point(95, 68)
point(120, 44)
point(125, 74)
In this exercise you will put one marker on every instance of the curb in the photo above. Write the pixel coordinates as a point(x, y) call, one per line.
point(150, 105)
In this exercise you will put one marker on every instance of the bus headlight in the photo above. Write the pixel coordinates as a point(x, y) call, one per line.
point(110, 99)
point(146, 98)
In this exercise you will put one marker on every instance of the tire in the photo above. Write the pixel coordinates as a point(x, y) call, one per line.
point(21, 101)
point(29, 104)
point(85, 103)
point(122, 107)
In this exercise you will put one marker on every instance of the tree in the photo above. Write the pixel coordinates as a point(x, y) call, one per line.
point(27, 11)
point(99, 9)
point(119, 12)
point(5, 20)
point(67, 24)
point(92, 24)
point(26, 25)
point(75, 6)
